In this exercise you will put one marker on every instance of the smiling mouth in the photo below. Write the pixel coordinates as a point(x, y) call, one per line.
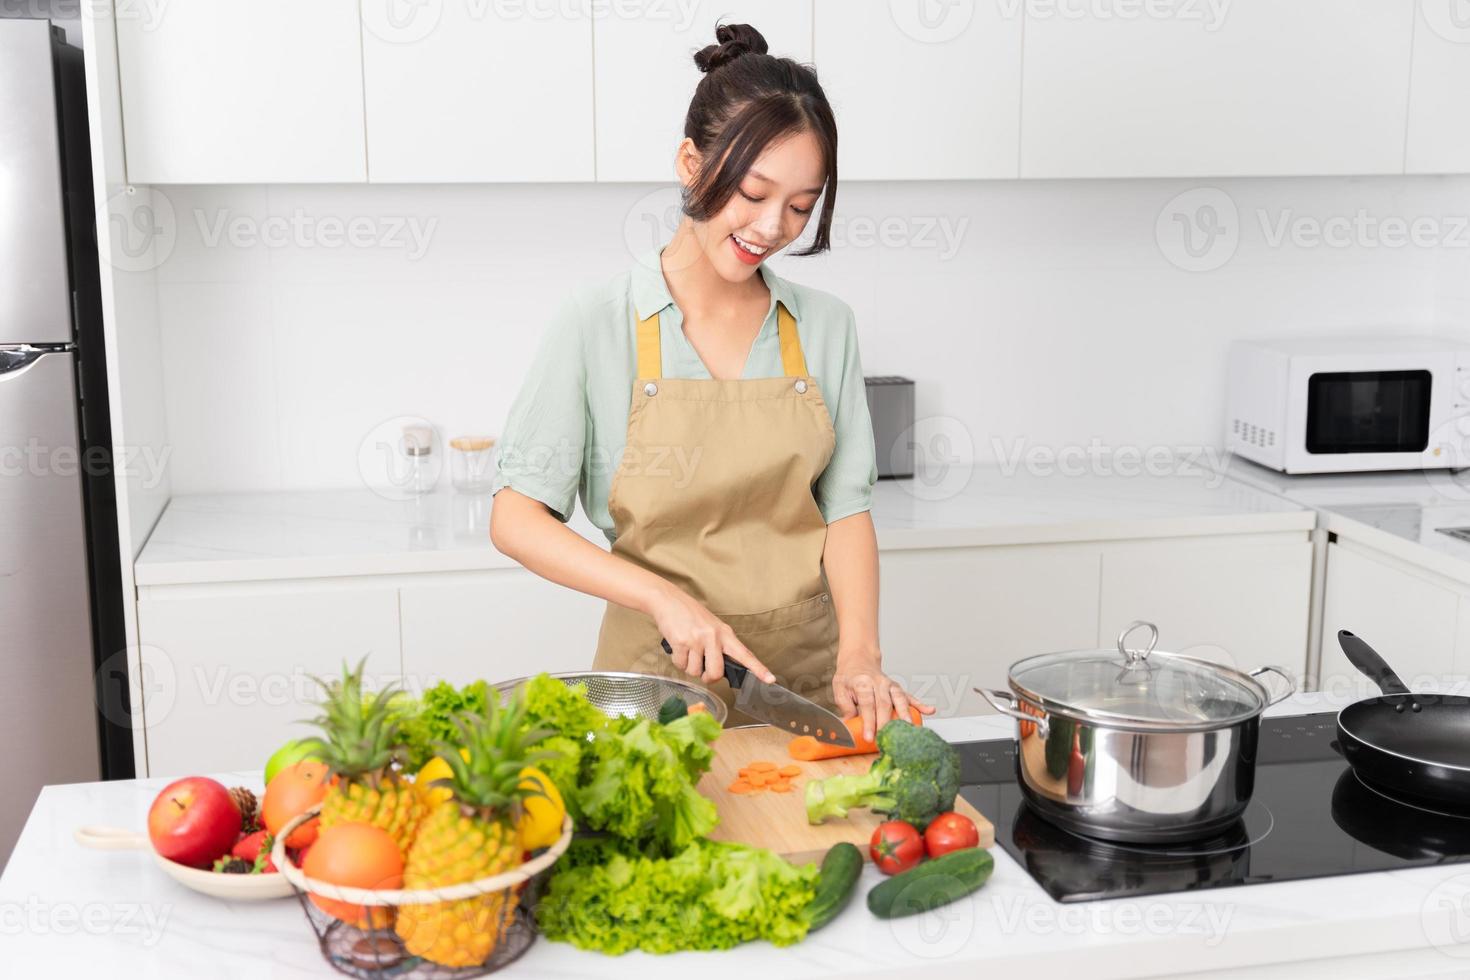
point(757, 251)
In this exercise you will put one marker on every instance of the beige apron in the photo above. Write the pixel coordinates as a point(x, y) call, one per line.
point(714, 493)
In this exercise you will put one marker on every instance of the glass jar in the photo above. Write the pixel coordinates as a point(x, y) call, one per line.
point(472, 463)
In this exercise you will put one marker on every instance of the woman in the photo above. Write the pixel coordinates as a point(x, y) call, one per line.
point(745, 456)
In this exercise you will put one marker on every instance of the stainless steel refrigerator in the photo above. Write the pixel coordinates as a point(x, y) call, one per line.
point(60, 593)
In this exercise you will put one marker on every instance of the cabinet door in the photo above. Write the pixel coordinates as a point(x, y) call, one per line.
point(1410, 621)
point(242, 91)
point(508, 626)
point(646, 75)
point(227, 679)
point(1439, 126)
point(1245, 604)
point(951, 619)
point(478, 91)
point(1212, 89)
point(922, 91)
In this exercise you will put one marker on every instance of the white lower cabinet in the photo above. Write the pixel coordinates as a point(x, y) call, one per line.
point(227, 677)
point(954, 619)
point(508, 625)
point(1410, 619)
point(227, 667)
point(1246, 604)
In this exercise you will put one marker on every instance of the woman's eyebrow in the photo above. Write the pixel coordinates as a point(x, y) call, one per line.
point(762, 177)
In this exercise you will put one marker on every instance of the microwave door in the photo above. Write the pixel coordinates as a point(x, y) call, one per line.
point(1351, 412)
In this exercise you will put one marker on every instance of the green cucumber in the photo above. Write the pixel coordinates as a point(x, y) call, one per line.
point(673, 708)
point(932, 884)
point(835, 884)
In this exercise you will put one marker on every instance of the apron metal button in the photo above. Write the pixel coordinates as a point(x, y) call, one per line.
point(650, 389)
point(801, 387)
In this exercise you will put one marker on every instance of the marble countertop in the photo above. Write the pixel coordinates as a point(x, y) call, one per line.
point(325, 533)
point(1397, 513)
point(71, 912)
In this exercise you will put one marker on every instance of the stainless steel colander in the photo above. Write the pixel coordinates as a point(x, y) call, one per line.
point(633, 695)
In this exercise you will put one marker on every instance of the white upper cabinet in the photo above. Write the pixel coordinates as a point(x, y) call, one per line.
point(645, 72)
point(236, 91)
point(922, 90)
point(478, 91)
point(1215, 88)
point(1439, 124)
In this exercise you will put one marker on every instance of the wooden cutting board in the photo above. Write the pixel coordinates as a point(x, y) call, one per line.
point(777, 821)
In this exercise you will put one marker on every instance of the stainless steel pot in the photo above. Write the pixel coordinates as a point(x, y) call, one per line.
point(1135, 744)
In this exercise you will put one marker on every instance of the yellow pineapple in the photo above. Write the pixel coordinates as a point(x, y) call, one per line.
point(470, 836)
point(359, 743)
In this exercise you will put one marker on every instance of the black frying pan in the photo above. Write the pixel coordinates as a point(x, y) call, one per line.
point(1417, 745)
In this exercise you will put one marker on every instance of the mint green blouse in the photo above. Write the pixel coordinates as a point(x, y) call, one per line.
point(568, 425)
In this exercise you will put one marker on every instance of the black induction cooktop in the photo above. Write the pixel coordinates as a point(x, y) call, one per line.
point(1309, 817)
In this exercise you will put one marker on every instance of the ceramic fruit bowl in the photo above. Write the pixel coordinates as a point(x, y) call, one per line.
point(231, 887)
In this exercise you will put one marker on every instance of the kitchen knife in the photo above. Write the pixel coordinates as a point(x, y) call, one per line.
point(781, 707)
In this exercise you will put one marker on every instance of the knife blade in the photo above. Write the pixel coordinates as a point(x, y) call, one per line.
point(780, 707)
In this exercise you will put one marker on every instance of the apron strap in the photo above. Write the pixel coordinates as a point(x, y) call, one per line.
point(792, 360)
point(650, 359)
point(650, 355)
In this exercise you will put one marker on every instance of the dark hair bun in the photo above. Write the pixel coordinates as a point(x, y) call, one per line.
point(732, 41)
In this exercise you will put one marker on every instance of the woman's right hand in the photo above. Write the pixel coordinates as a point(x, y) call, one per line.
point(700, 640)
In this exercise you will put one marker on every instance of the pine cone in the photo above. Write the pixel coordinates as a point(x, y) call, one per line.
point(245, 800)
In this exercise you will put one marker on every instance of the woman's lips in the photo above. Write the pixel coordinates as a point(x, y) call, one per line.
point(749, 258)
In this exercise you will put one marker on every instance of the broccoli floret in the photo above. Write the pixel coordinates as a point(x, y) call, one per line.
point(915, 778)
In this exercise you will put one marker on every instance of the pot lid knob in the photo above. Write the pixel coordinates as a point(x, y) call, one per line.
point(1133, 657)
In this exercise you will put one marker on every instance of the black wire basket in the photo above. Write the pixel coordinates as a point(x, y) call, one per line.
point(498, 909)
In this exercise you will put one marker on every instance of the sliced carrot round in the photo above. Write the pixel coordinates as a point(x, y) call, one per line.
point(740, 786)
point(760, 766)
point(789, 771)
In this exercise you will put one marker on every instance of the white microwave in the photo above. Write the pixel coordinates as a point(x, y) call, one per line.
point(1350, 404)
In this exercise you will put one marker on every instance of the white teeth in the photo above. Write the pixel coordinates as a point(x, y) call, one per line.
point(752, 249)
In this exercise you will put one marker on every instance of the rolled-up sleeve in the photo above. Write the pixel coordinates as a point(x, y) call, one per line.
point(545, 436)
point(846, 485)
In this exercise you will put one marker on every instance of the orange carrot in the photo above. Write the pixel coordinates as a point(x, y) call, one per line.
point(741, 786)
point(781, 787)
point(808, 749)
point(697, 706)
point(760, 766)
point(789, 771)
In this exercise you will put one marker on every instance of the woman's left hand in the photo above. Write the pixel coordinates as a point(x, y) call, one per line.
point(861, 687)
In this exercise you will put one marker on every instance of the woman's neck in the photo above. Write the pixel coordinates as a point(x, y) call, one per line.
point(698, 290)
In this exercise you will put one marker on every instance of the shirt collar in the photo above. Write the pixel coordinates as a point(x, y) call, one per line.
point(651, 292)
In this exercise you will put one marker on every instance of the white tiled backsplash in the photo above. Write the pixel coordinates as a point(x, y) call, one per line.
point(1030, 313)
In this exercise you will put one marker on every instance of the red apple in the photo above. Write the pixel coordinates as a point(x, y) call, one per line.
point(193, 821)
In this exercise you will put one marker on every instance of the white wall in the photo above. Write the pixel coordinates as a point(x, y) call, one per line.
point(1054, 312)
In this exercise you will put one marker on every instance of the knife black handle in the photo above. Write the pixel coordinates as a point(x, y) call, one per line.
point(734, 672)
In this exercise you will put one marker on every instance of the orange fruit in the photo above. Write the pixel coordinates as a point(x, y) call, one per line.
point(357, 855)
point(296, 789)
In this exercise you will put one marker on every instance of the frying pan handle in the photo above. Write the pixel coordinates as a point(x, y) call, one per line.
point(1007, 704)
point(734, 672)
point(1367, 660)
point(1281, 673)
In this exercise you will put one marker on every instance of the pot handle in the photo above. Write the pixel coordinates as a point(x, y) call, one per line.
point(1007, 704)
point(1279, 672)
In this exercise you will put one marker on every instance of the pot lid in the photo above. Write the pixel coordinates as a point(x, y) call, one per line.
point(1133, 686)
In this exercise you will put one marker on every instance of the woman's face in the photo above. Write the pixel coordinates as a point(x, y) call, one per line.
point(768, 212)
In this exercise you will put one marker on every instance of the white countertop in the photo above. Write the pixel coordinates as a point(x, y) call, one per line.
point(70, 912)
point(1397, 513)
point(323, 533)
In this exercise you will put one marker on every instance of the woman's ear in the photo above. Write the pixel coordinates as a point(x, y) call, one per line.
point(686, 162)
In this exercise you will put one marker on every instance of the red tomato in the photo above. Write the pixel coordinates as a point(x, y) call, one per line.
point(950, 832)
point(896, 846)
